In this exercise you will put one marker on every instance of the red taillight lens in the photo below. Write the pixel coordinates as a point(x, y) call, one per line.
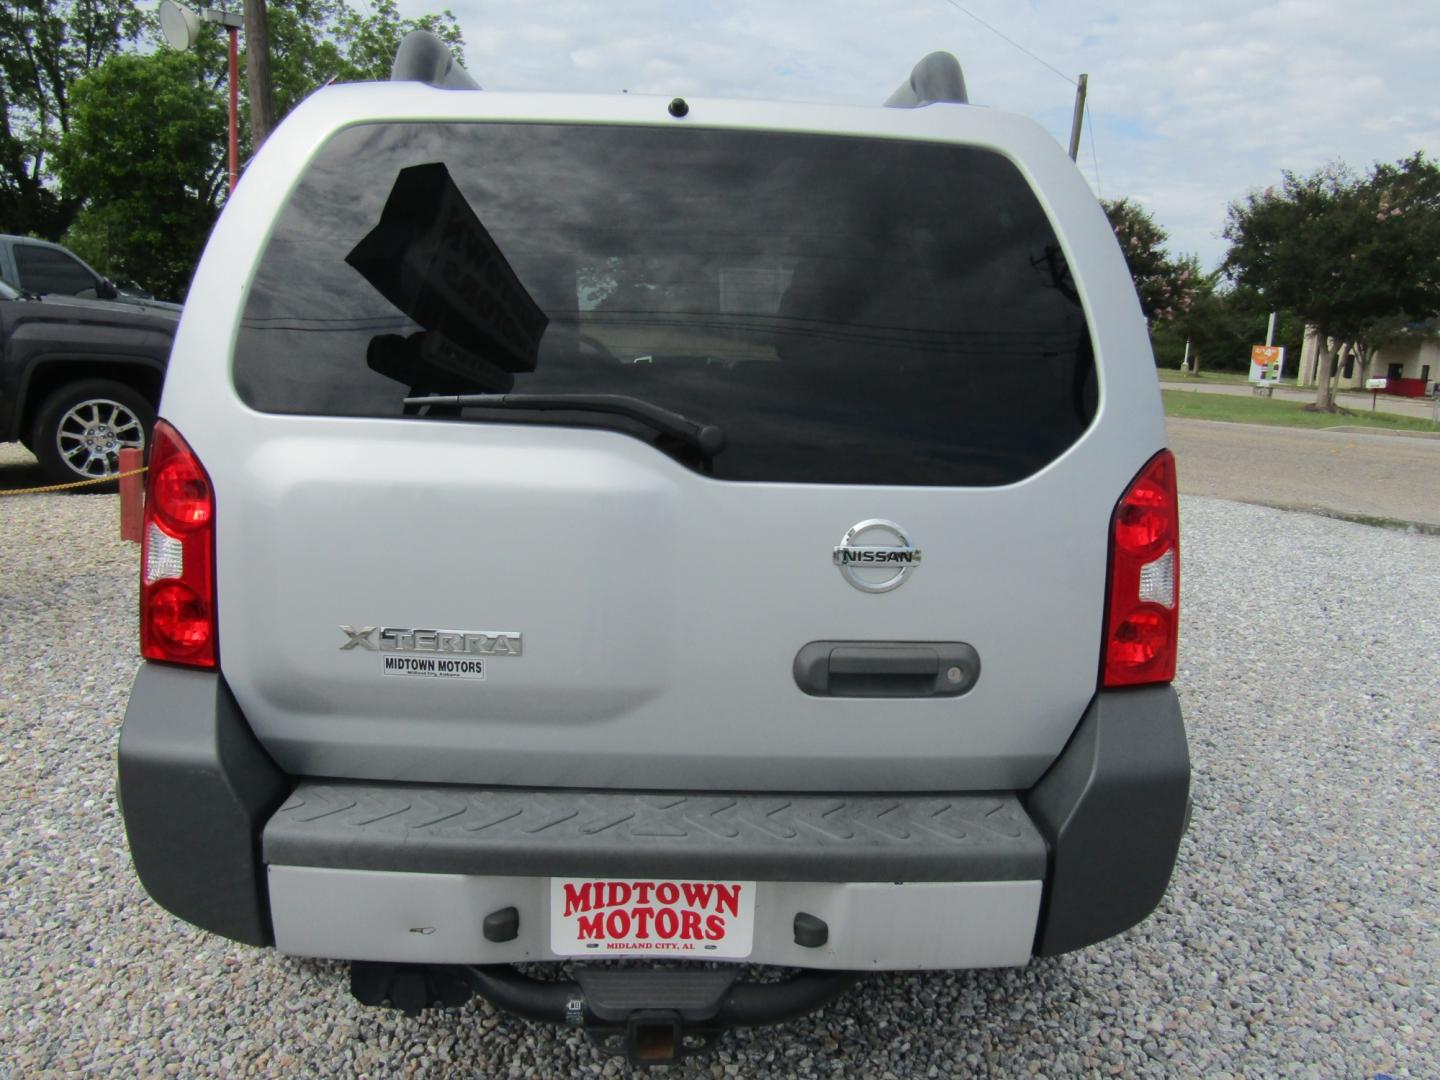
point(177, 572)
point(181, 493)
point(1142, 614)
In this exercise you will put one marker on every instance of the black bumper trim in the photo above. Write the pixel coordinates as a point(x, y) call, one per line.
point(763, 837)
point(1112, 810)
point(195, 788)
point(1102, 828)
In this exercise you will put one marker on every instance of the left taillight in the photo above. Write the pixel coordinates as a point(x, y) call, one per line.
point(177, 557)
point(1142, 612)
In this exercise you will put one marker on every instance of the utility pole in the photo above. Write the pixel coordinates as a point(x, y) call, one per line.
point(257, 70)
point(1074, 124)
point(181, 28)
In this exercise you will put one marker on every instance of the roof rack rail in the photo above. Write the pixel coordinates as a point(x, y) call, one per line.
point(423, 57)
point(934, 79)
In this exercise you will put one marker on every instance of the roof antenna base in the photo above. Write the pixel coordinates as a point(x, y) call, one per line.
point(423, 57)
point(937, 78)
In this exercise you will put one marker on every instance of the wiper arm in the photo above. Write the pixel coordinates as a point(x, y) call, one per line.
point(707, 438)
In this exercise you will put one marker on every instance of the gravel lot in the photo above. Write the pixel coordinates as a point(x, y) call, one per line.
point(1298, 939)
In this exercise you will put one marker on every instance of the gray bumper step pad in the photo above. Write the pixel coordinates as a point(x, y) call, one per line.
point(761, 837)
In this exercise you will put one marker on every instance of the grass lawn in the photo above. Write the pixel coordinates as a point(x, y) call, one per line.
point(1230, 378)
point(1258, 410)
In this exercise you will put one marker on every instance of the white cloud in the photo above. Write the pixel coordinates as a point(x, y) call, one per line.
point(1194, 103)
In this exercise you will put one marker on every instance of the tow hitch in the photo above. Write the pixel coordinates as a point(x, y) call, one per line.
point(648, 1016)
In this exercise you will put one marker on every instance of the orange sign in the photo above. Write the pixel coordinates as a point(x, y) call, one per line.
point(1265, 364)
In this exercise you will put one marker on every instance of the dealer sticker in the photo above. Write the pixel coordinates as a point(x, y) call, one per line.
point(435, 667)
point(701, 920)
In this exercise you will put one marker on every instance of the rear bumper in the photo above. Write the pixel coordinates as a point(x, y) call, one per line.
point(406, 873)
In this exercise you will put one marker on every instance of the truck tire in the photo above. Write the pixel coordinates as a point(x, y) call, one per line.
point(81, 429)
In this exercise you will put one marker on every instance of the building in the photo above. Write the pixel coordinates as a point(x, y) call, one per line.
point(1411, 368)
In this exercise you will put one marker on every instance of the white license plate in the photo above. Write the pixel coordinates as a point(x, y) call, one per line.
point(701, 920)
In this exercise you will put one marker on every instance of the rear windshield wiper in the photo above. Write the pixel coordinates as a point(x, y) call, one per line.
point(707, 438)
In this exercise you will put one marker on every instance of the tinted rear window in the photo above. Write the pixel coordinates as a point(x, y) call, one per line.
point(847, 310)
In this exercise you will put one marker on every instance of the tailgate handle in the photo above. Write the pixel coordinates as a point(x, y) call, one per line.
point(875, 669)
point(884, 660)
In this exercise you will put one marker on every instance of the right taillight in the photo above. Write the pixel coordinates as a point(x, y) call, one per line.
point(1142, 612)
point(177, 557)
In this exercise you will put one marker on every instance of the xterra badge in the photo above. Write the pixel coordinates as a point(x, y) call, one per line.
point(396, 639)
point(872, 567)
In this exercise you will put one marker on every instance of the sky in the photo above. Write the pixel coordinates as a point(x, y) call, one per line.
point(1191, 104)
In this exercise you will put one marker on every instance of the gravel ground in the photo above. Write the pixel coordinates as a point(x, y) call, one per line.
point(1298, 938)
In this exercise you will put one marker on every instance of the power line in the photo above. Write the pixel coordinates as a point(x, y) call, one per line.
point(959, 7)
point(1094, 157)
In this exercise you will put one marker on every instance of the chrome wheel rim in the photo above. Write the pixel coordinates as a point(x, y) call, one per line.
point(91, 435)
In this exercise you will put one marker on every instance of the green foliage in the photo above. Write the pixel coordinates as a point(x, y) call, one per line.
point(370, 40)
point(143, 157)
point(46, 47)
point(151, 189)
point(1166, 286)
point(313, 42)
point(1221, 324)
point(1343, 252)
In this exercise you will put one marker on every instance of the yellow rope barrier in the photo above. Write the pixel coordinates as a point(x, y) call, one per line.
point(75, 484)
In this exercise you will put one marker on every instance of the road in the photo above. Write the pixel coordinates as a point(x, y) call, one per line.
point(1353, 474)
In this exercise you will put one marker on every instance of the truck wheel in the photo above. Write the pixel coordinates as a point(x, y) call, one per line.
point(81, 429)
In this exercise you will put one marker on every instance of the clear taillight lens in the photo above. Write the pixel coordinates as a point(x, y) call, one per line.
point(1142, 614)
point(177, 580)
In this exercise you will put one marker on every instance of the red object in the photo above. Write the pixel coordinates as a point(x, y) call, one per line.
point(132, 495)
point(1142, 631)
point(1405, 387)
point(177, 556)
point(234, 106)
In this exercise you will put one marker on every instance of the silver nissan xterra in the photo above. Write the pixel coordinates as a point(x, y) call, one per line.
point(654, 537)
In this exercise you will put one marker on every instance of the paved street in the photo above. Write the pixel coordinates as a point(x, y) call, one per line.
point(1348, 473)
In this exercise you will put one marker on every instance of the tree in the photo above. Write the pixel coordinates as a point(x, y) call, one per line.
point(46, 47)
point(319, 41)
point(1222, 322)
point(1166, 286)
point(1346, 253)
point(151, 190)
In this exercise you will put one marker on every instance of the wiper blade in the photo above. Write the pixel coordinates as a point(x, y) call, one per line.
point(707, 438)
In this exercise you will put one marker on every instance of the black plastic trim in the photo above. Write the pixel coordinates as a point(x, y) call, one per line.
point(708, 835)
point(195, 788)
point(1112, 810)
point(878, 669)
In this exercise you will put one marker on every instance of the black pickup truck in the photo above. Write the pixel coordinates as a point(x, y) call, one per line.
point(79, 379)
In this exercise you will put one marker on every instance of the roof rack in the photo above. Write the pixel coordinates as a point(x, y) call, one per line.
point(937, 78)
point(423, 57)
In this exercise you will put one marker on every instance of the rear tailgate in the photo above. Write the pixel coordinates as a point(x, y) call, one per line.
point(657, 614)
point(885, 329)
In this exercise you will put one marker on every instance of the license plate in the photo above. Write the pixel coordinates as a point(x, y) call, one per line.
point(702, 920)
